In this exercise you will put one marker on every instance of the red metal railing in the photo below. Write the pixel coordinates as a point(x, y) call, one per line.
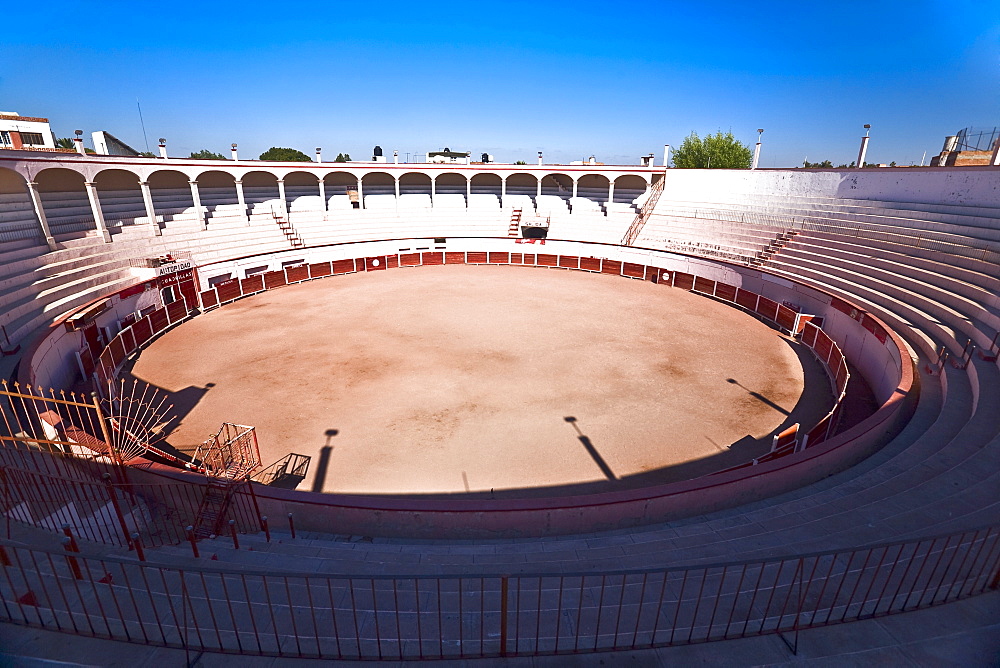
point(242, 611)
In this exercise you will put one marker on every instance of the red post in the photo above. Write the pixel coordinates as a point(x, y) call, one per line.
point(291, 524)
point(253, 497)
point(4, 559)
point(118, 510)
point(263, 525)
point(232, 530)
point(74, 565)
point(138, 547)
point(73, 547)
point(191, 538)
point(503, 615)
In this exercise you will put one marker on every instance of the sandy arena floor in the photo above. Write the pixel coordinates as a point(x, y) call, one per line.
point(461, 378)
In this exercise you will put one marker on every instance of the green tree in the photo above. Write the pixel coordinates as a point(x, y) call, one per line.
point(343, 157)
point(65, 142)
point(826, 164)
point(520, 162)
point(147, 154)
point(279, 154)
point(718, 151)
point(205, 154)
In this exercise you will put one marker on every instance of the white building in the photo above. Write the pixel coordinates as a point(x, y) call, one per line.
point(449, 156)
point(24, 132)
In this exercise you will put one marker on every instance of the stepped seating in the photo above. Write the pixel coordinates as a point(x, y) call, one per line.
point(306, 203)
point(409, 202)
point(523, 202)
point(484, 201)
point(380, 202)
point(547, 205)
point(940, 474)
point(593, 227)
point(449, 201)
point(339, 202)
point(583, 204)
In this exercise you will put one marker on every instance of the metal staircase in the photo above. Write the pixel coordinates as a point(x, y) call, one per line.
point(647, 210)
point(515, 224)
point(291, 235)
point(212, 511)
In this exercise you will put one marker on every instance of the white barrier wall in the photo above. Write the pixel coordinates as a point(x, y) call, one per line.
point(971, 187)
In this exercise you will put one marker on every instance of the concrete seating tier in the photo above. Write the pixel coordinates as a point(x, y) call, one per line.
point(947, 213)
point(978, 306)
point(589, 227)
point(255, 194)
point(483, 201)
point(513, 201)
point(380, 201)
point(905, 213)
point(306, 203)
point(578, 204)
point(339, 202)
point(975, 279)
point(17, 218)
point(414, 201)
point(940, 474)
point(841, 216)
point(449, 201)
point(550, 204)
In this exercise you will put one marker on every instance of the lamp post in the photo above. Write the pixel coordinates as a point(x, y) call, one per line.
point(756, 150)
point(319, 154)
point(78, 141)
point(864, 146)
point(235, 155)
point(163, 148)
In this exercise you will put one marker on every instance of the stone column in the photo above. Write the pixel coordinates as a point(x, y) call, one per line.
point(36, 202)
point(196, 197)
point(147, 199)
point(503, 189)
point(756, 156)
point(322, 192)
point(95, 207)
point(576, 185)
point(361, 193)
point(611, 191)
point(281, 195)
point(468, 191)
point(241, 198)
point(433, 189)
point(539, 189)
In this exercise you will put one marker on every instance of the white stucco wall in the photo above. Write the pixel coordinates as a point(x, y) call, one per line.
point(964, 186)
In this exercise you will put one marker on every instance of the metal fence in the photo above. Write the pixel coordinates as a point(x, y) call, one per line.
point(242, 611)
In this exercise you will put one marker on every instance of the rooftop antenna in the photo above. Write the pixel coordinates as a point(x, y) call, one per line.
point(141, 123)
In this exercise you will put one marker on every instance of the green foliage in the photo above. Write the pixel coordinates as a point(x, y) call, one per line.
point(65, 142)
point(826, 164)
point(520, 162)
point(147, 154)
point(278, 154)
point(343, 157)
point(718, 151)
point(205, 154)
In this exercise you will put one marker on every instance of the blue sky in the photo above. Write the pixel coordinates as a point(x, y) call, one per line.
point(511, 78)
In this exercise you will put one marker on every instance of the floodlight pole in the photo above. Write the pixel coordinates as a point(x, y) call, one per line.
point(864, 147)
point(756, 150)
